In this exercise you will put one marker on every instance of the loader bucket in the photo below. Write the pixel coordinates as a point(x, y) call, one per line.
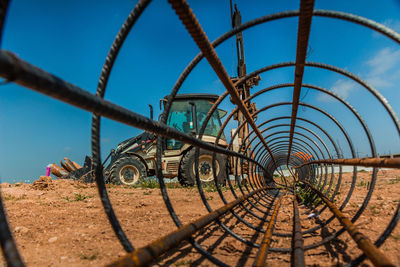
point(58, 171)
point(72, 170)
point(70, 165)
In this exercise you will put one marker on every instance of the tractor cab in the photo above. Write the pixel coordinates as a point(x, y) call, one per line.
point(187, 114)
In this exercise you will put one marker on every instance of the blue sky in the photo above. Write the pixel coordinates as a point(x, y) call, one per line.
point(71, 39)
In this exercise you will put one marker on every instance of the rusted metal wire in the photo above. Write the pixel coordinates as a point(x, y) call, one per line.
point(363, 242)
point(144, 256)
point(366, 162)
point(303, 34)
point(95, 131)
point(262, 253)
point(8, 246)
point(268, 146)
point(298, 243)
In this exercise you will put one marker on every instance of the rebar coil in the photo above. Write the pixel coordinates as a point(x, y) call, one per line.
point(268, 146)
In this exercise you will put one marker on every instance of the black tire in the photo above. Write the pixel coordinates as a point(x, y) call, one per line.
point(127, 170)
point(187, 176)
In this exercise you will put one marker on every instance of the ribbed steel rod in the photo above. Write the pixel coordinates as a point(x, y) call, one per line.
point(146, 255)
point(298, 243)
point(303, 34)
point(365, 162)
point(266, 153)
point(374, 254)
point(262, 253)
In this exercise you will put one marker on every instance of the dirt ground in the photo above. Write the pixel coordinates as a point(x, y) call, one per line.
point(62, 223)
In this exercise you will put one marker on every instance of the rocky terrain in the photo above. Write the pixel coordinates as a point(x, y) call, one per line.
point(62, 223)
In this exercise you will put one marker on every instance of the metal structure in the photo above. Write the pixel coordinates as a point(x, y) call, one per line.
point(267, 154)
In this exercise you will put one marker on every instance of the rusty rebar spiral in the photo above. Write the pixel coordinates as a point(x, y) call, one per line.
point(287, 141)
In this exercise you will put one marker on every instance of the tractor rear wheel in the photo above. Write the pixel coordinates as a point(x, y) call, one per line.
point(187, 170)
point(127, 170)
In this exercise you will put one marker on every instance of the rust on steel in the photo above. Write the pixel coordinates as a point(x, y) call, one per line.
point(374, 254)
point(193, 26)
point(303, 34)
point(262, 253)
point(298, 242)
point(73, 163)
point(145, 255)
point(58, 171)
point(70, 166)
point(366, 162)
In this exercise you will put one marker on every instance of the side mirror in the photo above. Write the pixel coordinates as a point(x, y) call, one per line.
point(194, 116)
point(151, 111)
point(162, 101)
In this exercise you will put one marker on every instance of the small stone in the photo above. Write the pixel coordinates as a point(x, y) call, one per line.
point(63, 258)
point(121, 254)
point(52, 239)
point(21, 229)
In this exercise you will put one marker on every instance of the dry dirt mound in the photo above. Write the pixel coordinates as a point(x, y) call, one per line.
point(64, 224)
point(43, 183)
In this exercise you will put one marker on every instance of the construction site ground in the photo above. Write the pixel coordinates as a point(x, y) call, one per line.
point(62, 223)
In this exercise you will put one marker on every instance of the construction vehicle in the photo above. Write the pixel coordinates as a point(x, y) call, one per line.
point(135, 158)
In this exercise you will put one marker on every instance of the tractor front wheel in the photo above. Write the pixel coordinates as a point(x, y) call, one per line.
point(187, 168)
point(127, 170)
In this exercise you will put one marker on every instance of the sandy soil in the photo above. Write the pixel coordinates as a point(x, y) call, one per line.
point(62, 223)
